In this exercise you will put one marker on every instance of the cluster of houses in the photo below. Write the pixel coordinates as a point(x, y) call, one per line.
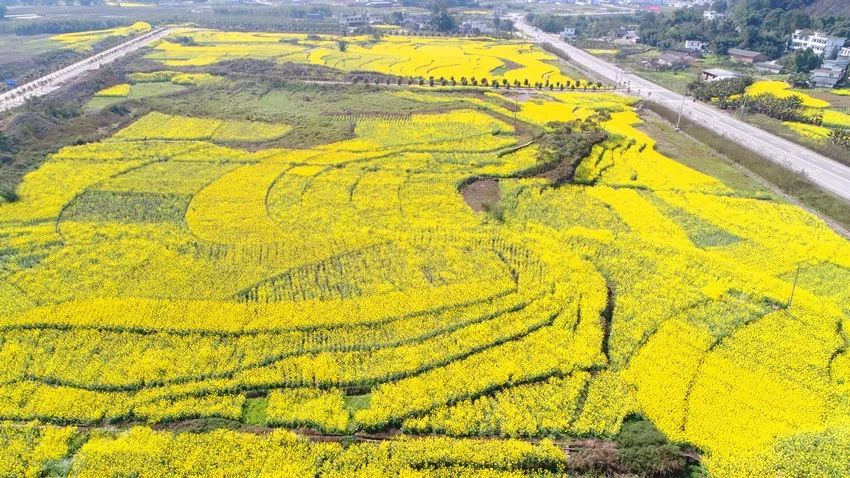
point(358, 20)
point(419, 21)
point(836, 56)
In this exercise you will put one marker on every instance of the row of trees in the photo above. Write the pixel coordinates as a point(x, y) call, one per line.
point(69, 25)
point(472, 81)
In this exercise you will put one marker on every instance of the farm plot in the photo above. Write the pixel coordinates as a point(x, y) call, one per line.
point(394, 55)
point(305, 281)
point(83, 41)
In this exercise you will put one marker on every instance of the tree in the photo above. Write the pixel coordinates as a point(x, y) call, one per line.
point(2, 11)
point(800, 80)
point(441, 20)
point(342, 45)
point(806, 60)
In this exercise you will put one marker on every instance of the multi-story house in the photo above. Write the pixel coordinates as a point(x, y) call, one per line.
point(823, 45)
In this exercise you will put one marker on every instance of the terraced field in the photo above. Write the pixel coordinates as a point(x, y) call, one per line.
point(183, 268)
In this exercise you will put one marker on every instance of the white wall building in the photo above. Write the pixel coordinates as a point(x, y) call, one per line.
point(821, 44)
point(696, 45)
point(712, 15)
point(845, 52)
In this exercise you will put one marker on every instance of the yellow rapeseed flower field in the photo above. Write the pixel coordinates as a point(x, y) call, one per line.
point(85, 40)
point(168, 273)
point(394, 55)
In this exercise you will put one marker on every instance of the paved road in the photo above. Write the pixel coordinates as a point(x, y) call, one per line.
point(824, 171)
point(48, 83)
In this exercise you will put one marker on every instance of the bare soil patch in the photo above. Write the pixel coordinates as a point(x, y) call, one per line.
point(481, 194)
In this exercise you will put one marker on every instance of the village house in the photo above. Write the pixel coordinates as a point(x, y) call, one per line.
point(823, 45)
point(696, 45)
point(829, 73)
point(629, 38)
point(353, 21)
point(746, 56)
point(770, 67)
point(715, 74)
point(675, 59)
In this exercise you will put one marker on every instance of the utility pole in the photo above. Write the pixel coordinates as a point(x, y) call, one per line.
point(793, 287)
point(681, 110)
point(744, 105)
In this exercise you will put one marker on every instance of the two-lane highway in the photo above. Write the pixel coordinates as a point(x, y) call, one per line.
point(48, 83)
point(824, 171)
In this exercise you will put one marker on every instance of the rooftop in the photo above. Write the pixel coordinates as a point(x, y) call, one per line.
point(746, 53)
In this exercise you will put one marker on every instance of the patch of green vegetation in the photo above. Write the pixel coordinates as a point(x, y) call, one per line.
point(789, 182)
point(697, 155)
point(17, 47)
point(701, 232)
point(354, 403)
point(639, 449)
point(825, 278)
point(144, 90)
point(671, 79)
point(507, 65)
point(204, 425)
point(98, 103)
point(137, 92)
point(776, 127)
point(643, 450)
point(133, 207)
point(254, 411)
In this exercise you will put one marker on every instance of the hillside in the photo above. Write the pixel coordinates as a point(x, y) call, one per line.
point(830, 8)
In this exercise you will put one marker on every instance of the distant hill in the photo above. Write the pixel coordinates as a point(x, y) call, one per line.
point(830, 7)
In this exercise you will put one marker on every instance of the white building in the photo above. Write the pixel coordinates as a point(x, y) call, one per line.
point(717, 74)
point(631, 37)
point(713, 15)
point(354, 20)
point(821, 44)
point(844, 53)
point(696, 45)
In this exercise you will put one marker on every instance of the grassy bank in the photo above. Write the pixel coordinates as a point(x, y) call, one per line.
point(792, 183)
